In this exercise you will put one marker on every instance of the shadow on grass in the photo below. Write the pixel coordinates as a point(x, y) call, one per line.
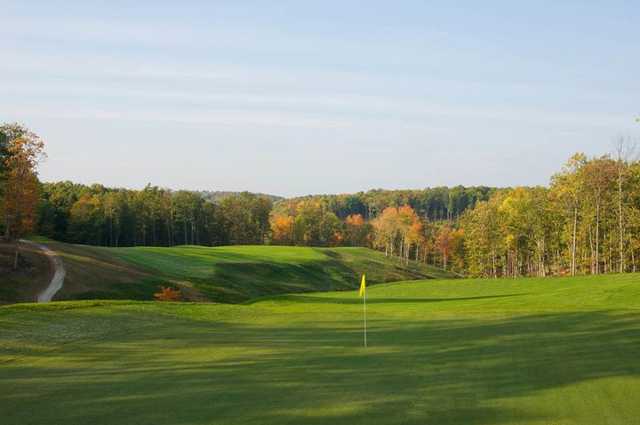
point(239, 282)
point(438, 372)
point(242, 281)
point(387, 300)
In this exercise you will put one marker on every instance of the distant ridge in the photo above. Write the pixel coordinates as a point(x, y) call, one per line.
point(218, 195)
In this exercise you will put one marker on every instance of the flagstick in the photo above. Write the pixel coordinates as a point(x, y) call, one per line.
point(364, 304)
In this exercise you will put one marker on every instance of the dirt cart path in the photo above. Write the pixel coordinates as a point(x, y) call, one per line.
point(58, 272)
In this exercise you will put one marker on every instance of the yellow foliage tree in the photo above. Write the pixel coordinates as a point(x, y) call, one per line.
point(282, 228)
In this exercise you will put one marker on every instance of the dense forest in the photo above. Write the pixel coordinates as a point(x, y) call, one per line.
point(155, 216)
point(586, 221)
point(152, 216)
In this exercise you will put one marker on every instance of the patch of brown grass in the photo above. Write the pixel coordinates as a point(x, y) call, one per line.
point(32, 277)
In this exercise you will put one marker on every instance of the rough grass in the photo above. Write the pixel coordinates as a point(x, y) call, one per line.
point(32, 276)
point(223, 274)
point(528, 351)
point(93, 273)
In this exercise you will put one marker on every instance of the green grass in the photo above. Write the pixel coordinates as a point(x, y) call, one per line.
point(529, 351)
point(225, 274)
point(240, 273)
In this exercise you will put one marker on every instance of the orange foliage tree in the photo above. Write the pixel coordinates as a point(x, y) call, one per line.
point(398, 230)
point(386, 228)
point(24, 150)
point(410, 229)
point(449, 242)
point(167, 294)
point(282, 229)
point(357, 230)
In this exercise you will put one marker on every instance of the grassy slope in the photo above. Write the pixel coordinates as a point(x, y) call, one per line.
point(94, 273)
point(32, 276)
point(239, 273)
point(227, 274)
point(557, 351)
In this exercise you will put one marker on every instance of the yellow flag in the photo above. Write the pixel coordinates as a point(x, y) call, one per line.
point(363, 286)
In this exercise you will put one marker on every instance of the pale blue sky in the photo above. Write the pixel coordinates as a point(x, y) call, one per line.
point(293, 97)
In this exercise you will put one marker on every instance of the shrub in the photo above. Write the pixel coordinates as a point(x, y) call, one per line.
point(167, 294)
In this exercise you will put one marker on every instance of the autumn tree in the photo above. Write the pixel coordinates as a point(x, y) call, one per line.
point(22, 151)
point(399, 231)
point(526, 219)
point(410, 231)
point(386, 227)
point(444, 244)
point(282, 229)
point(357, 230)
point(566, 192)
point(484, 238)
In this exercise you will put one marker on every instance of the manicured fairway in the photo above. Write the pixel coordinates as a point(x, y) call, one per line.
point(556, 351)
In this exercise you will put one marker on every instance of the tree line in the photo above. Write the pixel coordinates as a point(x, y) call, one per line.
point(586, 221)
point(433, 204)
point(154, 216)
point(99, 215)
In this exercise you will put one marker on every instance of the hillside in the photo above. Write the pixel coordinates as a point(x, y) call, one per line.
point(527, 352)
point(223, 274)
point(32, 277)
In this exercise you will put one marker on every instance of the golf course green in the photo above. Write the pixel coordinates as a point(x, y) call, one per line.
point(528, 351)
